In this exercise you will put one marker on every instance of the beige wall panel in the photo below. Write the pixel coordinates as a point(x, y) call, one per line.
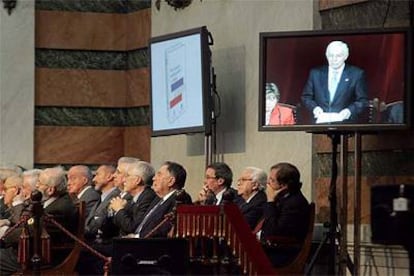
point(83, 145)
point(139, 29)
point(137, 142)
point(138, 87)
point(91, 88)
point(235, 26)
point(80, 30)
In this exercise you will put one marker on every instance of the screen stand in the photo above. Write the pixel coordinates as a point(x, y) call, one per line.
point(210, 136)
point(336, 236)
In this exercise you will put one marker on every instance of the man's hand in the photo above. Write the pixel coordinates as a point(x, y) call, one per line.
point(317, 111)
point(345, 114)
point(117, 204)
point(202, 195)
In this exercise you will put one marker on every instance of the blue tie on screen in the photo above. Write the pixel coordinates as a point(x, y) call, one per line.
point(333, 84)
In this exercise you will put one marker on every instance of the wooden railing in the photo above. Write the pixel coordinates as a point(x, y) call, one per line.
point(225, 232)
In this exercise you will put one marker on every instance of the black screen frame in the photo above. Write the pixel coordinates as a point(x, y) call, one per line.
point(302, 73)
point(205, 63)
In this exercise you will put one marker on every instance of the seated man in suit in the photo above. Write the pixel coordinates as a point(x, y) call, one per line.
point(275, 113)
point(80, 186)
point(14, 201)
point(56, 203)
point(169, 179)
point(30, 178)
point(98, 226)
point(251, 186)
point(286, 212)
point(138, 181)
point(5, 172)
point(120, 174)
point(217, 186)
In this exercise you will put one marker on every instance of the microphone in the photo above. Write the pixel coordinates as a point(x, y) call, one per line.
point(36, 196)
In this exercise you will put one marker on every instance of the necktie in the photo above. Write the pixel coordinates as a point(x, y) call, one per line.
point(139, 228)
point(333, 84)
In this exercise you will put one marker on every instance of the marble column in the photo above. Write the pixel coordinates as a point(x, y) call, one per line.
point(17, 65)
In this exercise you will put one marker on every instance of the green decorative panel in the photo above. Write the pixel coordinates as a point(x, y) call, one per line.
point(138, 58)
point(70, 116)
point(100, 60)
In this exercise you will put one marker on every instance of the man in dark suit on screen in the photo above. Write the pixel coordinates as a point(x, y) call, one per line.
point(336, 92)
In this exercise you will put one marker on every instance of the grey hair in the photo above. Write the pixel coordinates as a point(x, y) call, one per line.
point(127, 160)
point(33, 176)
point(85, 171)
point(14, 181)
point(56, 177)
point(142, 169)
point(338, 43)
point(259, 176)
point(271, 88)
point(9, 170)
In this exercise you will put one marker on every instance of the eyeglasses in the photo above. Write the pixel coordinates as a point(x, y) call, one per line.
point(244, 179)
point(210, 177)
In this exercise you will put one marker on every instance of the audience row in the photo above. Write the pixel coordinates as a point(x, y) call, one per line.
point(133, 200)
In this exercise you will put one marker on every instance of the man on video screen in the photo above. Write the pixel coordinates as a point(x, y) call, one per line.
point(336, 92)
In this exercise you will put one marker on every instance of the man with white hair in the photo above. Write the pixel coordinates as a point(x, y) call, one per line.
point(57, 204)
point(336, 92)
point(5, 172)
point(121, 171)
point(14, 200)
point(138, 184)
point(251, 186)
point(80, 186)
point(30, 178)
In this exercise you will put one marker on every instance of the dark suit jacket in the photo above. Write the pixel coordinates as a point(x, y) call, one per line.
point(229, 193)
point(90, 197)
point(128, 219)
point(64, 211)
point(287, 216)
point(98, 218)
point(3, 208)
point(351, 92)
point(253, 210)
point(16, 212)
point(156, 216)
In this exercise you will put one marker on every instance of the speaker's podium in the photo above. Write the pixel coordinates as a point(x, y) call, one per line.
point(153, 256)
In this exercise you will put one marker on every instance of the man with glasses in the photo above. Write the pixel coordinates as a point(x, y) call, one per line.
point(217, 186)
point(56, 203)
point(251, 186)
point(138, 183)
point(120, 174)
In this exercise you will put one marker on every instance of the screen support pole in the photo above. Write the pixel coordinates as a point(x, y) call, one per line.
point(344, 258)
point(357, 202)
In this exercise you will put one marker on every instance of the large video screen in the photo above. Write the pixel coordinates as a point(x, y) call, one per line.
point(343, 80)
point(180, 82)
